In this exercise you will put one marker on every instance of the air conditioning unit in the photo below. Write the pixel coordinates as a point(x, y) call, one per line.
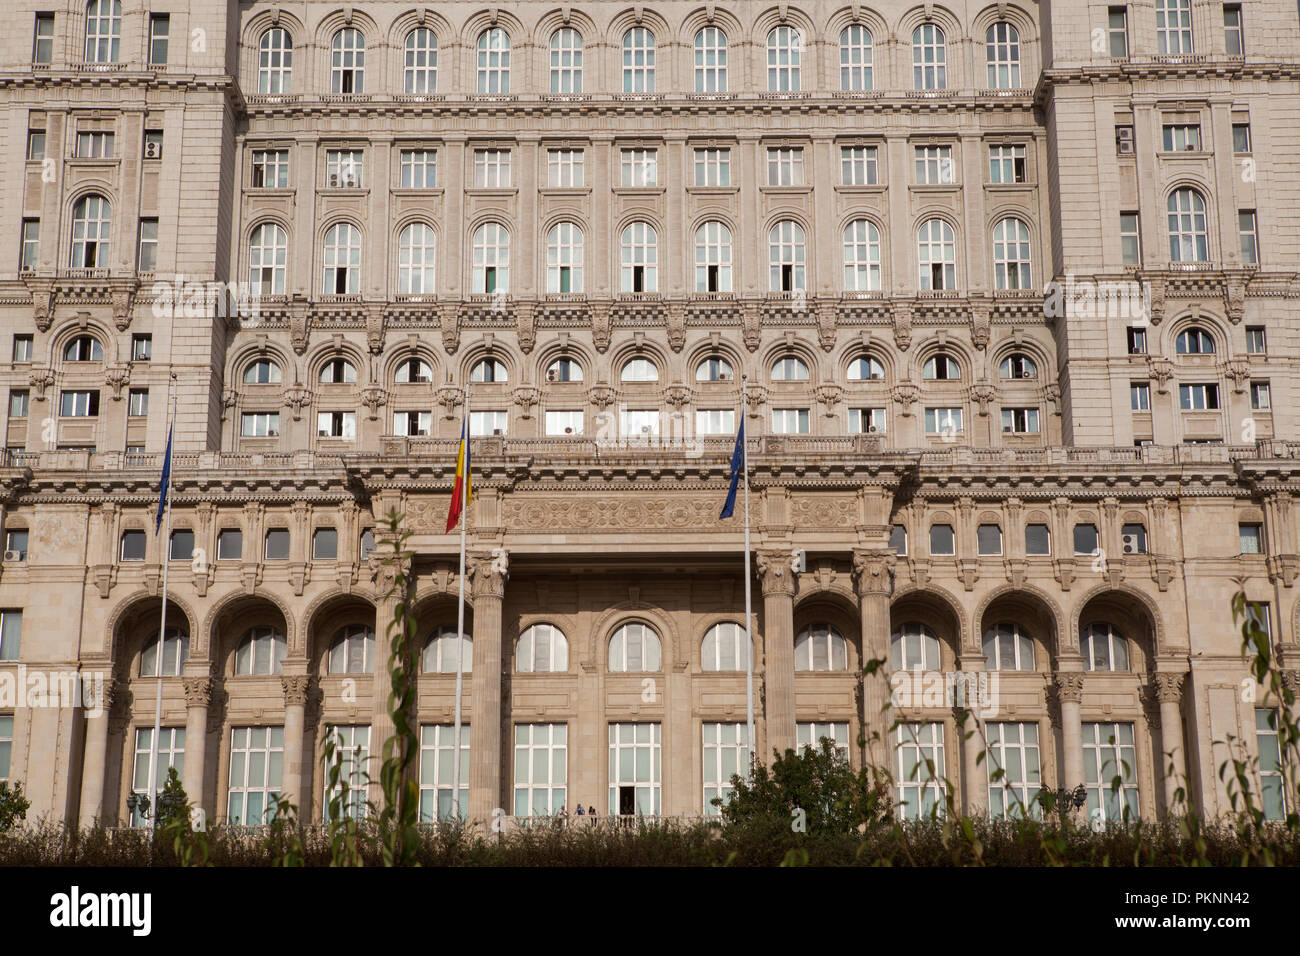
point(1028, 374)
point(334, 180)
point(152, 150)
point(1124, 139)
point(877, 376)
point(322, 433)
point(273, 433)
point(872, 429)
point(1007, 429)
point(496, 433)
point(14, 556)
point(645, 429)
point(1130, 542)
point(568, 430)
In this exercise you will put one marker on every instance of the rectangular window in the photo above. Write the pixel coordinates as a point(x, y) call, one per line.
point(43, 42)
point(182, 545)
point(1246, 228)
point(1272, 779)
point(277, 544)
point(230, 544)
point(898, 539)
point(1182, 137)
point(260, 425)
point(336, 424)
point(565, 169)
point(1038, 540)
point(811, 734)
point(1124, 139)
point(1255, 341)
point(256, 765)
point(791, 421)
point(79, 404)
point(715, 421)
point(1130, 238)
point(491, 169)
point(943, 421)
point(133, 545)
point(1117, 29)
point(1241, 138)
point(568, 422)
point(1259, 397)
point(639, 168)
point(1007, 164)
point(94, 145)
point(1085, 539)
point(438, 795)
point(270, 168)
point(638, 422)
point(942, 540)
point(634, 773)
point(488, 423)
point(343, 168)
point(989, 538)
point(859, 166)
point(148, 256)
point(6, 744)
point(1139, 394)
point(1013, 749)
point(137, 405)
point(159, 29)
point(541, 769)
point(934, 166)
point(325, 544)
point(726, 753)
point(1109, 753)
point(412, 424)
point(785, 166)
point(153, 143)
point(1133, 539)
point(171, 753)
point(1233, 36)
point(1251, 537)
point(866, 421)
point(16, 541)
point(19, 402)
point(11, 634)
point(31, 252)
point(22, 348)
point(419, 168)
point(36, 144)
point(1137, 341)
point(352, 750)
point(713, 168)
point(921, 770)
point(1020, 421)
point(1198, 397)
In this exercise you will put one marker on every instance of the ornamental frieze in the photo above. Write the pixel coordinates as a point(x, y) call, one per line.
point(613, 514)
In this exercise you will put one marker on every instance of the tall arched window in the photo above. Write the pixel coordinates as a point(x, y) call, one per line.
point(710, 61)
point(421, 73)
point(929, 58)
point(820, 648)
point(275, 61)
point(491, 258)
point(342, 260)
point(861, 256)
point(713, 257)
point(1188, 233)
point(1008, 648)
point(1174, 26)
point(103, 30)
point(91, 222)
point(635, 647)
point(566, 61)
point(785, 246)
point(268, 252)
point(723, 648)
point(640, 254)
point(543, 647)
point(638, 61)
point(348, 62)
point(416, 256)
point(914, 647)
point(175, 652)
point(260, 651)
point(1002, 51)
point(855, 58)
point(352, 651)
point(564, 258)
point(442, 652)
point(639, 370)
point(494, 61)
point(1011, 265)
point(1103, 648)
point(936, 256)
point(784, 57)
point(83, 348)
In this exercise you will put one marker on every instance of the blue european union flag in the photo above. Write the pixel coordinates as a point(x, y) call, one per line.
point(166, 480)
point(737, 469)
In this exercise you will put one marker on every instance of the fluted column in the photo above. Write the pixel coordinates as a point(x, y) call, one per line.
point(488, 583)
point(1070, 688)
point(778, 643)
point(95, 764)
point(1169, 692)
point(295, 712)
point(381, 723)
point(873, 575)
point(198, 697)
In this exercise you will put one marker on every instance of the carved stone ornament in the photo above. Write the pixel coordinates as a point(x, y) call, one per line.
point(1069, 684)
point(116, 376)
point(602, 396)
point(979, 330)
point(982, 395)
point(600, 326)
point(449, 321)
point(296, 397)
point(450, 398)
point(902, 327)
point(526, 320)
point(198, 691)
point(826, 320)
point(40, 379)
point(1161, 370)
point(1169, 687)
point(906, 394)
point(296, 688)
point(676, 315)
point(372, 396)
point(526, 397)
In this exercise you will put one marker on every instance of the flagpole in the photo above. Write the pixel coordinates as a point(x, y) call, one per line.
point(460, 620)
point(749, 640)
point(162, 624)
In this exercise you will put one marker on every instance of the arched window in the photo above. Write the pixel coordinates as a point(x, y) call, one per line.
point(1002, 52)
point(1011, 267)
point(940, 367)
point(268, 253)
point(564, 258)
point(937, 256)
point(421, 74)
point(634, 647)
point(338, 371)
point(784, 54)
point(543, 647)
point(820, 648)
point(710, 61)
point(929, 58)
point(1103, 648)
point(639, 370)
point(83, 348)
point(566, 61)
point(564, 369)
point(638, 61)
point(342, 260)
point(855, 58)
point(640, 272)
point(103, 30)
point(790, 368)
point(914, 647)
point(260, 652)
point(785, 246)
point(488, 370)
point(1008, 648)
point(494, 61)
point(348, 62)
point(491, 258)
point(352, 651)
point(866, 368)
point(91, 221)
point(442, 649)
point(416, 257)
point(714, 369)
point(275, 61)
point(1188, 233)
point(175, 652)
point(861, 256)
point(713, 257)
point(1194, 341)
point(723, 648)
point(413, 370)
point(1174, 26)
point(262, 372)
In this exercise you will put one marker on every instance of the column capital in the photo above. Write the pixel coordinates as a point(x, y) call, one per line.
point(295, 687)
point(774, 572)
point(488, 571)
point(1169, 687)
point(873, 571)
point(1069, 684)
point(198, 691)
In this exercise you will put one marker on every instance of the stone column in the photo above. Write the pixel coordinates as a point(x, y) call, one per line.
point(381, 723)
point(95, 764)
point(295, 712)
point(777, 581)
point(1070, 688)
point(972, 736)
point(488, 583)
point(873, 575)
point(1169, 692)
point(198, 696)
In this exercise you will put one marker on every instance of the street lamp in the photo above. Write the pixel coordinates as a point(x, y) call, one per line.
point(138, 801)
point(1064, 800)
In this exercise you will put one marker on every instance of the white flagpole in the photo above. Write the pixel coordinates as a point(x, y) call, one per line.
point(162, 624)
point(460, 617)
point(749, 628)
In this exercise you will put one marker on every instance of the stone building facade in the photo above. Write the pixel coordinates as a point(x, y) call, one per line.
point(1018, 336)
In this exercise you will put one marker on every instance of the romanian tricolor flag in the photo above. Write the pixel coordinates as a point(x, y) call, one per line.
point(461, 492)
